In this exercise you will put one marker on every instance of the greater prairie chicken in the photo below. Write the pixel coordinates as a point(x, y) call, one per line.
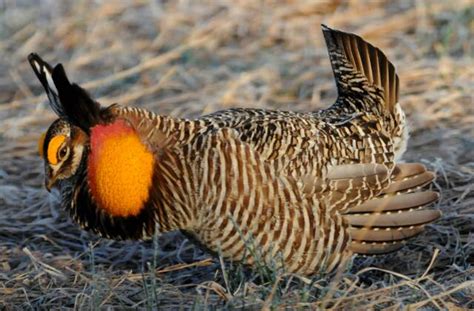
point(304, 190)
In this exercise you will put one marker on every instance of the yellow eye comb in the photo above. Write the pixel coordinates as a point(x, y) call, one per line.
point(53, 146)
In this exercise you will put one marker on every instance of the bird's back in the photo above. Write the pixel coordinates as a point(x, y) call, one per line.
point(365, 125)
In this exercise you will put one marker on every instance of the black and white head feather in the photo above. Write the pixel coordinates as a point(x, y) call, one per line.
point(44, 72)
point(69, 101)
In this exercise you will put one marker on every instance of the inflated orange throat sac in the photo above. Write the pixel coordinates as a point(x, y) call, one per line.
point(120, 169)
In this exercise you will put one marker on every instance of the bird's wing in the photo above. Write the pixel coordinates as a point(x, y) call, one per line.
point(343, 187)
point(381, 208)
point(384, 222)
point(301, 146)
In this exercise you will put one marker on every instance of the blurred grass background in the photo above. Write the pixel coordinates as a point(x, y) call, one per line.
point(187, 58)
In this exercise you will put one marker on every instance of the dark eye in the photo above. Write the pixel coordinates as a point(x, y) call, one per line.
point(62, 153)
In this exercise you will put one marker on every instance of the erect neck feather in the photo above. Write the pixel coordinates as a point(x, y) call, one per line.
point(120, 169)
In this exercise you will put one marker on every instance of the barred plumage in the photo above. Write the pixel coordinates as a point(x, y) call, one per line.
point(299, 190)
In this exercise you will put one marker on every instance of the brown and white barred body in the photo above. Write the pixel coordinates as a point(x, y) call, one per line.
point(299, 190)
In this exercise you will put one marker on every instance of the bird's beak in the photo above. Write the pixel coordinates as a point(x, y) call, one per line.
point(49, 180)
point(49, 183)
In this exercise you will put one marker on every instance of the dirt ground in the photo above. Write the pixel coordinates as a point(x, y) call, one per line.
point(187, 58)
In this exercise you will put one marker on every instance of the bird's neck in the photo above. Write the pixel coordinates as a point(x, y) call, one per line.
point(130, 190)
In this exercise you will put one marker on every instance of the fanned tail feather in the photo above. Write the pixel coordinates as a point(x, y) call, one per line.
point(355, 61)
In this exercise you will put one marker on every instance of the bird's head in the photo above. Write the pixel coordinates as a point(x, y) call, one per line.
point(61, 148)
point(63, 144)
point(99, 155)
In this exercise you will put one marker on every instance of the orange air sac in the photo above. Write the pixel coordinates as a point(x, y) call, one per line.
point(120, 169)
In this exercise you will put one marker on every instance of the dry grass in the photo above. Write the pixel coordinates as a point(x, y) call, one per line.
point(185, 59)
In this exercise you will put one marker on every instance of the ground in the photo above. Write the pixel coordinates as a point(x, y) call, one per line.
point(187, 58)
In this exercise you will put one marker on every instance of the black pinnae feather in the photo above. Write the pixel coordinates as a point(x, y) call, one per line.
point(69, 101)
point(43, 71)
point(79, 107)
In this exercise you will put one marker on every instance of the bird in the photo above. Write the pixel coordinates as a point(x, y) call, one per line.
point(300, 191)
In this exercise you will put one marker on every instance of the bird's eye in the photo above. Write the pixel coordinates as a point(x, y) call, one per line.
point(62, 153)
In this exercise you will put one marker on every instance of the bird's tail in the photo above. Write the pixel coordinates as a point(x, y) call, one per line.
point(366, 82)
point(383, 224)
point(362, 71)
